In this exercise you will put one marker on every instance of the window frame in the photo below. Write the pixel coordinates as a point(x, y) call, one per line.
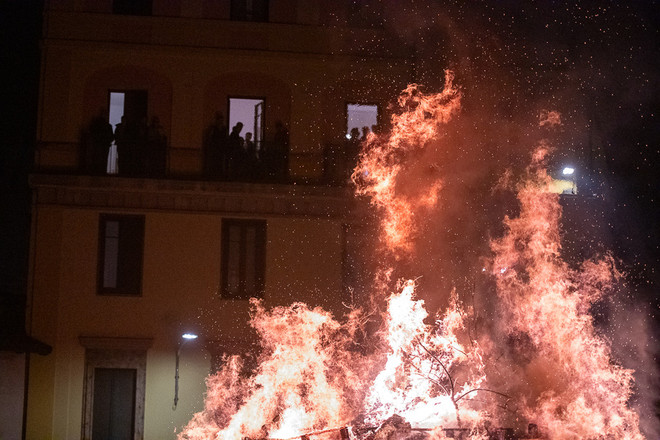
point(122, 288)
point(347, 103)
point(261, 141)
point(259, 257)
point(114, 353)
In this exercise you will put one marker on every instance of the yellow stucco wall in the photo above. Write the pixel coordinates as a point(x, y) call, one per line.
point(180, 283)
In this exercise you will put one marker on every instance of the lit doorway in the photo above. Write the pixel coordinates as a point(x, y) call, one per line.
point(129, 103)
point(250, 112)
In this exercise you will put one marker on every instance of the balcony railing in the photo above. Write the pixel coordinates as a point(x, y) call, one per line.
point(332, 166)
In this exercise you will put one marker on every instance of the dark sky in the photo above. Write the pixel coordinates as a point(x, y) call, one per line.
point(596, 62)
point(596, 57)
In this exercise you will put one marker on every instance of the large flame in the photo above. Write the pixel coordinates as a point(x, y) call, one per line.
point(383, 160)
point(419, 380)
point(576, 390)
point(543, 361)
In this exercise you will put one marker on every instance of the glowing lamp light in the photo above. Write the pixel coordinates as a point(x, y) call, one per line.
point(186, 337)
point(567, 171)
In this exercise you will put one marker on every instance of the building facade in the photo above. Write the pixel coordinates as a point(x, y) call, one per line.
point(152, 219)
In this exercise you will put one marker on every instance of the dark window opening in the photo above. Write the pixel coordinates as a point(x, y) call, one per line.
point(249, 10)
point(132, 7)
point(114, 403)
point(243, 258)
point(121, 247)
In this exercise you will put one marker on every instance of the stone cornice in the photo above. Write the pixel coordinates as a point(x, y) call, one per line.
point(105, 192)
point(104, 343)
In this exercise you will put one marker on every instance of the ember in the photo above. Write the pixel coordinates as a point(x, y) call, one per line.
point(440, 379)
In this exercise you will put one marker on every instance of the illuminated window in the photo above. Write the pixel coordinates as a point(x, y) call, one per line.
point(359, 116)
point(121, 246)
point(250, 113)
point(132, 106)
point(249, 10)
point(243, 258)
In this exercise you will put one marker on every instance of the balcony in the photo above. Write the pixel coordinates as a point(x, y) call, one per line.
point(330, 167)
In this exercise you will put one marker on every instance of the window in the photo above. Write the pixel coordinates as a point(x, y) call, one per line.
point(249, 10)
point(243, 258)
point(359, 116)
point(121, 246)
point(250, 113)
point(114, 387)
point(127, 110)
point(131, 7)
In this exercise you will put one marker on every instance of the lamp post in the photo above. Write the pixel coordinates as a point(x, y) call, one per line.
point(186, 337)
point(569, 172)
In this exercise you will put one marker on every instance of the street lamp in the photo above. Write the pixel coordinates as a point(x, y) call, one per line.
point(569, 172)
point(186, 337)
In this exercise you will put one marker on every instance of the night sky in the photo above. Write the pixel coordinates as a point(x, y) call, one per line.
point(596, 62)
point(591, 57)
point(593, 60)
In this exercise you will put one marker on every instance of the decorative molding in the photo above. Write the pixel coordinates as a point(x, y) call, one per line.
point(106, 192)
point(103, 343)
point(125, 353)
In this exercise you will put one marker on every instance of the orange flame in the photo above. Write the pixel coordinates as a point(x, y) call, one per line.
point(303, 382)
point(383, 160)
point(418, 381)
point(581, 392)
point(314, 376)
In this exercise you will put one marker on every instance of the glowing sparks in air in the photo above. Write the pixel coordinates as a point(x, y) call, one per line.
point(577, 391)
point(383, 160)
point(541, 360)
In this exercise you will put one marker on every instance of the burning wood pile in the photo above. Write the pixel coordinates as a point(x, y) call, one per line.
point(531, 352)
point(396, 428)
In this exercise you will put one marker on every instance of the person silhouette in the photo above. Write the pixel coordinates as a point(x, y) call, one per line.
point(156, 157)
point(215, 148)
point(250, 153)
point(365, 133)
point(235, 151)
point(281, 150)
point(100, 141)
point(121, 141)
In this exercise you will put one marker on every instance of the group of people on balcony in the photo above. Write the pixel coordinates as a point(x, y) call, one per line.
point(141, 151)
point(340, 159)
point(141, 147)
point(230, 156)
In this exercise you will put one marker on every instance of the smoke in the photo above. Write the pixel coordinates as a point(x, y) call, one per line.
point(594, 64)
point(543, 334)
